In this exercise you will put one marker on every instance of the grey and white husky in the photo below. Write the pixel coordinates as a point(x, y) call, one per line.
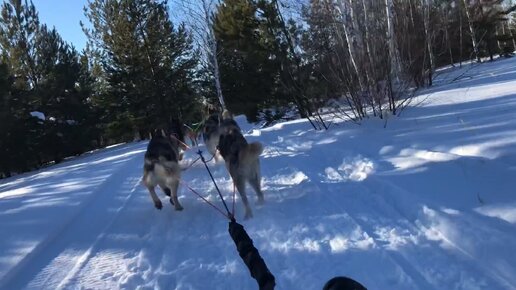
point(161, 164)
point(241, 159)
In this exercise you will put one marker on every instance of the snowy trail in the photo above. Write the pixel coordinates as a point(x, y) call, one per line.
point(50, 261)
point(426, 203)
point(399, 234)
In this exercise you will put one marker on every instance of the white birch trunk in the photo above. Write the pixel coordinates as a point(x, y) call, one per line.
point(428, 34)
point(460, 36)
point(471, 30)
point(371, 76)
point(212, 45)
point(343, 9)
point(497, 36)
point(391, 40)
point(447, 34)
point(367, 33)
point(202, 25)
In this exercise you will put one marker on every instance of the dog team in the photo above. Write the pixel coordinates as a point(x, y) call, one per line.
point(222, 136)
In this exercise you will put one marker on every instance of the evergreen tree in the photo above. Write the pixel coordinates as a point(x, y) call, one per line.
point(146, 63)
point(19, 26)
point(262, 67)
point(249, 62)
point(41, 73)
point(487, 14)
point(321, 48)
point(14, 127)
point(62, 96)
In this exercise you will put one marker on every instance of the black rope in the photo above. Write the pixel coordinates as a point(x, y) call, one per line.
point(230, 215)
point(247, 251)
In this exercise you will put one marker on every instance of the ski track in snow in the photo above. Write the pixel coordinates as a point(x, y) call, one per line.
point(60, 253)
point(426, 203)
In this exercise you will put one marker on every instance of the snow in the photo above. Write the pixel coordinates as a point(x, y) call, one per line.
point(426, 203)
point(38, 115)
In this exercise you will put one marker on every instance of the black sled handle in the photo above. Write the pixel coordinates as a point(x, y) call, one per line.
point(251, 257)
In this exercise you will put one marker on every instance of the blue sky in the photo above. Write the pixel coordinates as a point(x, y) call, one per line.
point(64, 15)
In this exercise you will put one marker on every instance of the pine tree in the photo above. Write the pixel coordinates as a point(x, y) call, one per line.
point(146, 63)
point(63, 95)
point(322, 48)
point(486, 15)
point(249, 58)
point(12, 130)
point(19, 26)
point(42, 73)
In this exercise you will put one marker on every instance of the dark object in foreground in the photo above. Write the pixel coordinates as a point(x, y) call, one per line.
point(343, 283)
point(251, 257)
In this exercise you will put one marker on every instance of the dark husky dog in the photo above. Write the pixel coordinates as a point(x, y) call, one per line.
point(211, 133)
point(242, 160)
point(161, 165)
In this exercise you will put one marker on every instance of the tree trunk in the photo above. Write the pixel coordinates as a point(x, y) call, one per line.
point(447, 36)
point(498, 42)
point(304, 105)
point(370, 75)
point(199, 17)
point(213, 51)
point(428, 39)
point(394, 64)
point(512, 36)
point(349, 39)
point(460, 37)
point(472, 31)
point(389, 10)
point(216, 71)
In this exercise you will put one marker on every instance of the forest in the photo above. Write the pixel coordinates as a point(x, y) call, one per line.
point(270, 60)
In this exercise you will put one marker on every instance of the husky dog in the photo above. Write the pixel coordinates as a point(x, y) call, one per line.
point(211, 133)
point(241, 158)
point(161, 165)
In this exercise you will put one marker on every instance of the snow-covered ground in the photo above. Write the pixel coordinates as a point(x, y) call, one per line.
point(429, 202)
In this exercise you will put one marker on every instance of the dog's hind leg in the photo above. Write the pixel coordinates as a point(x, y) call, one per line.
point(154, 196)
point(240, 185)
point(166, 190)
point(255, 182)
point(173, 197)
point(168, 193)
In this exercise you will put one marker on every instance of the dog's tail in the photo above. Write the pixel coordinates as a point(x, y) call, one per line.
point(251, 152)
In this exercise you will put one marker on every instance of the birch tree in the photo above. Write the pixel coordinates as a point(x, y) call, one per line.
point(428, 38)
point(471, 30)
point(200, 19)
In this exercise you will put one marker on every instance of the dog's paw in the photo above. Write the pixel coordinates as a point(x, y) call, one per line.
point(260, 201)
point(178, 208)
point(158, 205)
point(171, 202)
